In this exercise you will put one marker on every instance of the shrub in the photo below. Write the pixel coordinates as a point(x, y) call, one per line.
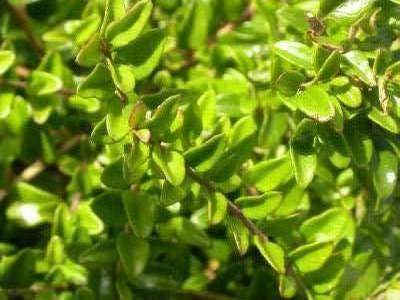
point(199, 149)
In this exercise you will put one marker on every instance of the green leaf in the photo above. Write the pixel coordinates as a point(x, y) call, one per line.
point(18, 271)
point(206, 155)
point(171, 194)
point(117, 124)
point(125, 77)
point(171, 163)
point(217, 207)
point(287, 286)
point(103, 253)
point(350, 11)
point(359, 65)
point(87, 219)
point(42, 83)
point(302, 153)
point(326, 6)
point(330, 67)
point(241, 131)
point(238, 233)
point(289, 82)
point(109, 208)
point(112, 175)
point(143, 54)
point(259, 207)
point(189, 233)
point(55, 251)
point(7, 59)
point(6, 100)
point(383, 120)
point(311, 257)
point(90, 53)
point(134, 254)
point(315, 103)
point(140, 209)
point(348, 94)
point(164, 115)
point(34, 205)
point(296, 53)
point(136, 162)
point(195, 26)
point(88, 105)
point(267, 175)
point(385, 173)
point(273, 253)
point(331, 225)
point(98, 84)
point(125, 30)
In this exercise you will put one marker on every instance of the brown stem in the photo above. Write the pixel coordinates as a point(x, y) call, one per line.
point(21, 17)
point(232, 208)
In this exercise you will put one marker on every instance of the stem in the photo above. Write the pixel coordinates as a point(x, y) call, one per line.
point(232, 208)
point(22, 19)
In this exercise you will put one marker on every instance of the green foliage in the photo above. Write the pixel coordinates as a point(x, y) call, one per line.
point(199, 149)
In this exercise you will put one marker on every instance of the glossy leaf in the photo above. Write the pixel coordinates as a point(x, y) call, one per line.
point(296, 53)
point(315, 103)
point(268, 175)
point(7, 59)
point(273, 253)
point(172, 164)
point(134, 254)
point(140, 209)
point(259, 207)
point(311, 257)
point(143, 54)
point(128, 28)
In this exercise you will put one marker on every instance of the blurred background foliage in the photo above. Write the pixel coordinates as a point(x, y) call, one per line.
point(199, 149)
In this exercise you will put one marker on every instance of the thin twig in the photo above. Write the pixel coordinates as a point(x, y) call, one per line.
point(232, 208)
point(22, 19)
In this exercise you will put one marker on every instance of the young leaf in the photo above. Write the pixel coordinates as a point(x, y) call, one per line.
point(383, 120)
point(385, 173)
point(315, 103)
point(171, 163)
point(140, 209)
point(302, 153)
point(268, 175)
point(90, 54)
point(6, 100)
point(112, 175)
point(296, 53)
point(205, 156)
point(125, 30)
point(360, 66)
point(311, 257)
point(287, 286)
point(43, 83)
point(330, 67)
point(217, 204)
point(239, 233)
point(331, 225)
point(98, 84)
point(350, 11)
point(143, 54)
point(134, 254)
point(273, 253)
point(259, 207)
point(164, 115)
point(7, 59)
point(289, 83)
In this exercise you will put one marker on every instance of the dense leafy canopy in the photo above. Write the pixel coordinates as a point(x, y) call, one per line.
point(199, 149)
